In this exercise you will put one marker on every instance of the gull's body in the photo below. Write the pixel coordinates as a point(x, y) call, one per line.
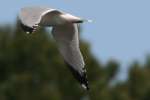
point(65, 32)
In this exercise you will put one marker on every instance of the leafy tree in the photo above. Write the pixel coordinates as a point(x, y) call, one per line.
point(31, 68)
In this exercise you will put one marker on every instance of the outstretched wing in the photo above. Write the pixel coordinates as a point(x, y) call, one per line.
point(66, 37)
point(31, 17)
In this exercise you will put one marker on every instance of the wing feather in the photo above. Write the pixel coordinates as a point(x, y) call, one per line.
point(67, 39)
point(31, 16)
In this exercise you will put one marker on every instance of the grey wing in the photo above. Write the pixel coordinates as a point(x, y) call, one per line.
point(67, 39)
point(30, 17)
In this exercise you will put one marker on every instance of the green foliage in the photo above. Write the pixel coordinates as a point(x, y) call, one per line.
point(139, 82)
point(31, 68)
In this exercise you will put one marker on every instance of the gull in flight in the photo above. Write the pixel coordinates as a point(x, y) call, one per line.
point(65, 32)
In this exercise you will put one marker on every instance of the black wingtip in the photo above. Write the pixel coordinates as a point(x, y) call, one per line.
point(84, 81)
point(82, 78)
point(26, 29)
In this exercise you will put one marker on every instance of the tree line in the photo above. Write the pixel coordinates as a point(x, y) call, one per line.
point(31, 68)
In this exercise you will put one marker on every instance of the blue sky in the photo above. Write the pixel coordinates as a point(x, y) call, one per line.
point(120, 28)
